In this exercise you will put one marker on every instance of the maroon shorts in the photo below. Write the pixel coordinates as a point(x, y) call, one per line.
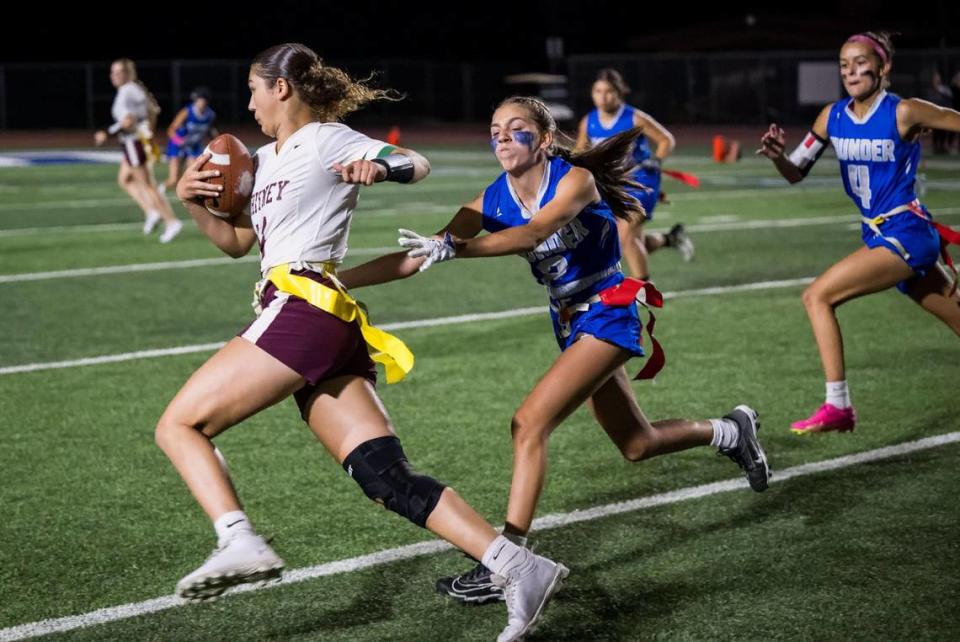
point(134, 153)
point(314, 343)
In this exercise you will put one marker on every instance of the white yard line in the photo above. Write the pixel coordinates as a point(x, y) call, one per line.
point(724, 224)
point(547, 522)
point(92, 227)
point(399, 325)
point(162, 265)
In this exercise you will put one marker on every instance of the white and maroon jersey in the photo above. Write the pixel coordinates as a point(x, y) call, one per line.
point(300, 209)
point(131, 99)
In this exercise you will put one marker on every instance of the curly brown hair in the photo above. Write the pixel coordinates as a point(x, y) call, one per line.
point(329, 91)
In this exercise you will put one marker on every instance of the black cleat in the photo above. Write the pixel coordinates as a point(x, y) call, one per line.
point(473, 587)
point(747, 452)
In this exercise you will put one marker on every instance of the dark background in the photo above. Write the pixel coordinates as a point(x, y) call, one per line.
point(460, 31)
point(688, 64)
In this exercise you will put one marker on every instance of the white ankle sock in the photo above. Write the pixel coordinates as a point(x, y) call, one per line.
point(503, 557)
point(229, 524)
point(837, 394)
point(725, 433)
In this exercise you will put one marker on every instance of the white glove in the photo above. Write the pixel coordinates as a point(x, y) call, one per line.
point(435, 250)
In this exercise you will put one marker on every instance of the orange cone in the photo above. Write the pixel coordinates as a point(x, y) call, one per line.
point(719, 148)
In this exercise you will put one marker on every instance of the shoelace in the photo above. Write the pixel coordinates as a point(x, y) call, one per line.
point(510, 592)
point(220, 547)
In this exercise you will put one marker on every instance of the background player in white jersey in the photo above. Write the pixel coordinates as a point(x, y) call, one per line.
point(313, 347)
point(188, 132)
point(610, 116)
point(877, 138)
point(557, 210)
point(133, 110)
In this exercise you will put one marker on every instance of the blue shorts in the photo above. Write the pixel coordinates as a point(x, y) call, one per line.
point(918, 237)
point(183, 151)
point(649, 199)
point(620, 326)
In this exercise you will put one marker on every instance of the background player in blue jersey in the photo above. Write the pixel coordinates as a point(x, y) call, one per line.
point(611, 116)
point(876, 135)
point(186, 135)
point(557, 210)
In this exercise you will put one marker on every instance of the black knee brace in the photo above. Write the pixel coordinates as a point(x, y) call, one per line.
point(386, 477)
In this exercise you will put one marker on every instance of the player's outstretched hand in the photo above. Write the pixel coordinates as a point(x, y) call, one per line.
point(435, 249)
point(772, 143)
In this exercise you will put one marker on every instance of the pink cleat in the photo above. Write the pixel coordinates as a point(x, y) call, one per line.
point(827, 418)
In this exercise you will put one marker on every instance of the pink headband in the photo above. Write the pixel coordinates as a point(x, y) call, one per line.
point(867, 40)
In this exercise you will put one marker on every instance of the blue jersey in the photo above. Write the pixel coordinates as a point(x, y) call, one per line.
point(195, 129)
point(598, 133)
point(577, 261)
point(648, 178)
point(878, 168)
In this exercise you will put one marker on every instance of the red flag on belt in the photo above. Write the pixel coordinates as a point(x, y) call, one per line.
point(689, 179)
point(646, 294)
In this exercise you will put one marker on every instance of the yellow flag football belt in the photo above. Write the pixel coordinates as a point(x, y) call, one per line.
point(383, 347)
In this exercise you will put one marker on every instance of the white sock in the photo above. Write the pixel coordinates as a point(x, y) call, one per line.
point(153, 214)
point(837, 394)
point(229, 524)
point(725, 433)
point(504, 558)
point(519, 540)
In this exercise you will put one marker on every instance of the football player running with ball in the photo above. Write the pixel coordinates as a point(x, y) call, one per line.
point(311, 340)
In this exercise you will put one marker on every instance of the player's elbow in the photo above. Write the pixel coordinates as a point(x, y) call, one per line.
point(421, 169)
point(421, 166)
point(231, 248)
point(237, 250)
point(670, 144)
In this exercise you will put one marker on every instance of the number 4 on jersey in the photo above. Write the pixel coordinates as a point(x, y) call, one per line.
point(859, 178)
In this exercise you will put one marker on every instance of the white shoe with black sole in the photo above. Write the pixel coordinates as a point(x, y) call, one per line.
point(243, 559)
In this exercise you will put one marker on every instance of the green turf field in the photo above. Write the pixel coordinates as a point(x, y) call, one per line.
point(95, 517)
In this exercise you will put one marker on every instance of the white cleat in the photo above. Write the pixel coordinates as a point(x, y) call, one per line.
point(527, 594)
point(150, 223)
point(244, 559)
point(170, 231)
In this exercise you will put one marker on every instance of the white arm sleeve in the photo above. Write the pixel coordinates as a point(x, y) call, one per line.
point(808, 152)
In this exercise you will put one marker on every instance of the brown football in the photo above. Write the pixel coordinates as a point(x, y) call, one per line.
point(231, 158)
